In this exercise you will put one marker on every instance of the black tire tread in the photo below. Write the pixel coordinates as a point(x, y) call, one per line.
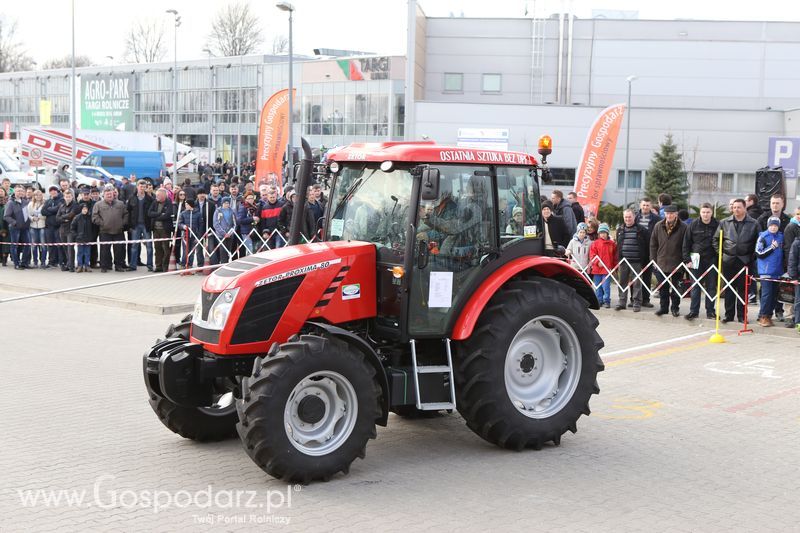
point(485, 410)
point(268, 448)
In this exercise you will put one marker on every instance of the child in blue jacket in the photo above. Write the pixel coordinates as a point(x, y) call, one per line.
point(769, 259)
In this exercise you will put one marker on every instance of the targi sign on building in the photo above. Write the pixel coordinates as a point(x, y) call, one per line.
point(107, 102)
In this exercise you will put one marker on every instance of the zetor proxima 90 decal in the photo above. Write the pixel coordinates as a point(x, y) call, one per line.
point(297, 272)
point(429, 289)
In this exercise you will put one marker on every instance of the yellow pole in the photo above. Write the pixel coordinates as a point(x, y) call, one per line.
point(716, 338)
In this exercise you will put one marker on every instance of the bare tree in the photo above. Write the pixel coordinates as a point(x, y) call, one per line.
point(66, 62)
point(13, 56)
point(235, 31)
point(280, 44)
point(144, 42)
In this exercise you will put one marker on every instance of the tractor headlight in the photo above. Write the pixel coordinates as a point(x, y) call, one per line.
point(219, 312)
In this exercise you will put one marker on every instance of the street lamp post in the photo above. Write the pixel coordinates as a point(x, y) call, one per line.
point(177, 18)
point(630, 80)
point(210, 103)
point(239, 117)
point(72, 94)
point(286, 6)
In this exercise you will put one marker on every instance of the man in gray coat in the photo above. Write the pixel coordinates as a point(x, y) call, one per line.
point(110, 215)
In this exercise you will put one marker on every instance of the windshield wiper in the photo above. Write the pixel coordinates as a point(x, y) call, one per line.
point(351, 192)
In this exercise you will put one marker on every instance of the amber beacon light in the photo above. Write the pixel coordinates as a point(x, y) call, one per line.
point(545, 145)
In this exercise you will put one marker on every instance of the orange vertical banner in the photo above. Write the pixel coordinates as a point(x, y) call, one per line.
point(597, 158)
point(273, 134)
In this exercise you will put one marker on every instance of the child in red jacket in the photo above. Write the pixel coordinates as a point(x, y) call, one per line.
point(603, 258)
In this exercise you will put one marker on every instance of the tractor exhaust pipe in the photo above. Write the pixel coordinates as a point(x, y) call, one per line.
point(301, 187)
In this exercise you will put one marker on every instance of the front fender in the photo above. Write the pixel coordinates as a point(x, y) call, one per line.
point(541, 266)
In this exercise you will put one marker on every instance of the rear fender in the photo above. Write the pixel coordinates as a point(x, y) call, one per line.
point(539, 266)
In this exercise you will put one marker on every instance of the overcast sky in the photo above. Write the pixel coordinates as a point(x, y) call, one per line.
point(369, 25)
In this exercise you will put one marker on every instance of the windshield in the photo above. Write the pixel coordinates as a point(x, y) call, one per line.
point(371, 205)
point(9, 163)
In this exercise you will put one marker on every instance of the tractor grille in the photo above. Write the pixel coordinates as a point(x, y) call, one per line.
point(263, 310)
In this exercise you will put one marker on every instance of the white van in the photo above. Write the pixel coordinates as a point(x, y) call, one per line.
point(10, 168)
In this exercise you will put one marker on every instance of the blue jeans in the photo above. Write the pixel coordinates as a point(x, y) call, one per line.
point(603, 290)
point(84, 253)
point(769, 293)
point(39, 253)
point(21, 255)
point(135, 253)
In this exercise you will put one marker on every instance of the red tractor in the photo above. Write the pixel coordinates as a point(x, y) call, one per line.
point(432, 289)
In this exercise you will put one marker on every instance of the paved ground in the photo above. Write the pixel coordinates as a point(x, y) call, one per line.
point(685, 436)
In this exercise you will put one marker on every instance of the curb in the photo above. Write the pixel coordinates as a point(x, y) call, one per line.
point(730, 329)
point(167, 309)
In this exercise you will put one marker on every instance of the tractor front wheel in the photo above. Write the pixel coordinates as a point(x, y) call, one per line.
point(526, 374)
point(203, 424)
point(309, 409)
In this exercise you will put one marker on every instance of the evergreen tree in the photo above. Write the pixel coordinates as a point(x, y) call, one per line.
point(666, 174)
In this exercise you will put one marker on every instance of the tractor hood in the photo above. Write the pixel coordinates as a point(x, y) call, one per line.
point(281, 263)
point(267, 297)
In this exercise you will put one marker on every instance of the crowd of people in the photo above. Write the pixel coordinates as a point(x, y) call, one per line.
point(80, 229)
point(767, 243)
point(216, 220)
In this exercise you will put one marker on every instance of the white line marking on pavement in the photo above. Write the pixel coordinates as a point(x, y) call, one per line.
point(654, 344)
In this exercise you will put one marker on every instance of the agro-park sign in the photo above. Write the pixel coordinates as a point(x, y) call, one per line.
point(107, 102)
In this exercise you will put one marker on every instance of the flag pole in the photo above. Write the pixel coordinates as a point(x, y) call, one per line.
point(716, 338)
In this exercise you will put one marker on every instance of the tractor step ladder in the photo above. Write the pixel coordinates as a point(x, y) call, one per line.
point(433, 369)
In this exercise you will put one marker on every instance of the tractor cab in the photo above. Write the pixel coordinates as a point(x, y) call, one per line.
point(441, 219)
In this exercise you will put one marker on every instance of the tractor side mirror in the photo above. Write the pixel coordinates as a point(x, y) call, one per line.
point(430, 184)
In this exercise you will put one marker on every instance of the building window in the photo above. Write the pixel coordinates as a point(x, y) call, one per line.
point(453, 82)
point(492, 83)
point(562, 177)
point(634, 179)
point(746, 182)
point(704, 181)
point(726, 184)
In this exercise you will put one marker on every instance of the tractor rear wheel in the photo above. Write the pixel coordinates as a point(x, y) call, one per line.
point(526, 373)
point(309, 409)
point(203, 424)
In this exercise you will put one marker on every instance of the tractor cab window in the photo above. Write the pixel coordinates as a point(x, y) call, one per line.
point(455, 234)
point(373, 206)
point(519, 211)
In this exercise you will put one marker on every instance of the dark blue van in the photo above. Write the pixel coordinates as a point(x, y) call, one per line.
point(125, 163)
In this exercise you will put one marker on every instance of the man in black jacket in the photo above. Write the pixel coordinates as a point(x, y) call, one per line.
point(647, 219)
point(563, 209)
point(698, 254)
point(66, 212)
point(139, 225)
point(51, 225)
point(740, 233)
point(19, 223)
point(577, 208)
point(753, 209)
point(160, 215)
point(632, 245)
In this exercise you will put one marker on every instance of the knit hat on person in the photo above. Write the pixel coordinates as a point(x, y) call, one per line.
point(516, 211)
point(603, 227)
point(581, 227)
point(548, 204)
point(774, 220)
